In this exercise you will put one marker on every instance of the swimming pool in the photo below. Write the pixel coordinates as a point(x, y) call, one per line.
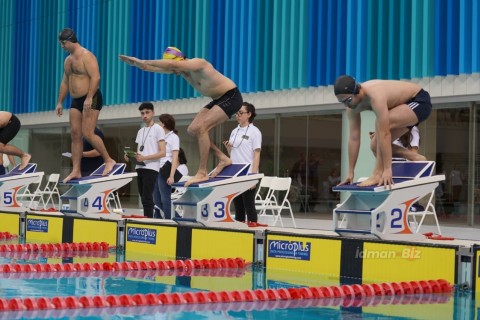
point(228, 281)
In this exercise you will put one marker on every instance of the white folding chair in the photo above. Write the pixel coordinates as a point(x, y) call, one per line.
point(49, 192)
point(264, 188)
point(277, 200)
point(114, 198)
point(27, 193)
point(429, 210)
point(175, 196)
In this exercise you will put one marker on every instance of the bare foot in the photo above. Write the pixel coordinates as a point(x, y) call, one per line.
point(221, 165)
point(196, 178)
point(72, 175)
point(25, 159)
point(108, 167)
point(372, 181)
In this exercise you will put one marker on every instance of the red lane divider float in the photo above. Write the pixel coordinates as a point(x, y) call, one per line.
point(75, 308)
point(7, 236)
point(139, 274)
point(54, 254)
point(228, 263)
point(56, 247)
point(344, 295)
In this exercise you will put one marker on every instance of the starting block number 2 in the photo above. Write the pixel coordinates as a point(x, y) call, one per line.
point(396, 219)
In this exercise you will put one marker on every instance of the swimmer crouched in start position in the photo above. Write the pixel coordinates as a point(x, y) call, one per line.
point(398, 105)
point(9, 127)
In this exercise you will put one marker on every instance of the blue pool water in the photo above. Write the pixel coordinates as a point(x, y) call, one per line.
point(91, 283)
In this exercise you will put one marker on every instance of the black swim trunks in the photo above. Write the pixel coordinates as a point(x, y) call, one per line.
point(230, 102)
point(97, 102)
point(421, 105)
point(9, 132)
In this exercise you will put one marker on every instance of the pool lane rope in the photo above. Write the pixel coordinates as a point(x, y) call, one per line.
point(7, 236)
point(57, 247)
point(345, 294)
point(228, 263)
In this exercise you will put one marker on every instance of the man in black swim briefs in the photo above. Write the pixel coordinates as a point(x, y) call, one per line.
point(81, 78)
point(202, 76)
point(9, 127)
point(398, 105)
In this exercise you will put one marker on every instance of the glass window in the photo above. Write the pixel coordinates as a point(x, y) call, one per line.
point(310, 153)
point(451, 136)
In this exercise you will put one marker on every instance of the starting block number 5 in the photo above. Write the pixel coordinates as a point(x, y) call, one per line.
point(7, 198)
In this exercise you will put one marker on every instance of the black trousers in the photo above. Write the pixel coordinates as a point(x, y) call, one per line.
point(245, 204)
point(146, 182)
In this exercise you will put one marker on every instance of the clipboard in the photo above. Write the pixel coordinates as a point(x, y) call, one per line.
point(131, 156)
point(165, 172)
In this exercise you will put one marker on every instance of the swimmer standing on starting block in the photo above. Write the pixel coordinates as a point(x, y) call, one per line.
point(201, 75)
point(398, 106)
point(9, 127)
point(81, 78)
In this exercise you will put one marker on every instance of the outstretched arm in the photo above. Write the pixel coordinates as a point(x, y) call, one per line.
point(165, 65)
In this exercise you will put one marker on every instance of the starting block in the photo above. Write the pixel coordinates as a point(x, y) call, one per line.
point(88, 196)
point(208, 202)
point(383, 212)
point(12, 182)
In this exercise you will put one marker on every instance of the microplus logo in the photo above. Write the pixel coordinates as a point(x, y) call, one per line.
point(142, 235)
point(296, 250)
point(37, 225)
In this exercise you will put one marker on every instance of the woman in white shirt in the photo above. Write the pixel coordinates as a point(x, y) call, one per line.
point(162, 194)
point(407, 146)
point(244, 146)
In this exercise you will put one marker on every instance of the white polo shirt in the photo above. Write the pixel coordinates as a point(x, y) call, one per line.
point(244, 142)
point(172, 142)
point(148, 137)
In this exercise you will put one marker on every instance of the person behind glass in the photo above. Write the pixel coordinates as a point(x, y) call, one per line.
point(244, 146)
point(407, 146)
point(91, 158)
point(151, 148)
point(162, 194)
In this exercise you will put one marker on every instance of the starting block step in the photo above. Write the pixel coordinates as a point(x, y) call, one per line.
point(369, 212)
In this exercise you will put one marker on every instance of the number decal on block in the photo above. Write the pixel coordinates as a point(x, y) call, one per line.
point(97, 203)
point(204, 211)
point(396, 222)
point(220, 209)
point(7, 197)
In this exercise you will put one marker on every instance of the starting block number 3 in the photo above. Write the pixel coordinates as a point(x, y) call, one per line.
point(219, 208)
